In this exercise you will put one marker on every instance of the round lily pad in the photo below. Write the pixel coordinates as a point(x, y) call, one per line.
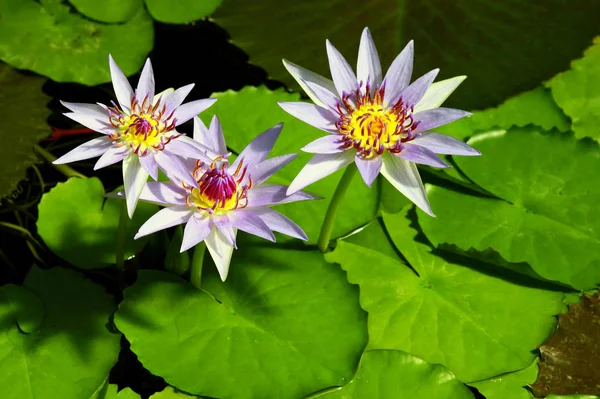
point(181, 11)
point(80, 225)
point(108, 10)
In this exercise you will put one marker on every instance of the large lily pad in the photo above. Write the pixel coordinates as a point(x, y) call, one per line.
point(22, 125)
point(249, 112)
point(396, 374)
point(546, 214)
point(509, 385)
point(80, 225)
point(503, 47)
point(286, 324)
point(108, 10)
point(475, 323)
point(68, 351)
point(181, 11)
point(47, 38)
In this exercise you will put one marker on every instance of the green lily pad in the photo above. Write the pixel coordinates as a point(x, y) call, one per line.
point(181, 11)
point(249, 112)
point(170, 393)
point(396, 374)
point(23, 124)
point(50, 40)
point(481, 39)
point(286, 324)
point(473, 322)
point(109, 10)
point(70, 353)
point(577, 92)
point(111, 391)
point(547, 214)
point(510, 385)
point(78, 224)
point(535, 107)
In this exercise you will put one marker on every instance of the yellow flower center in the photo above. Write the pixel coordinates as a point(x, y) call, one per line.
point(145, 128)
point(372, 129)
point(219, 191)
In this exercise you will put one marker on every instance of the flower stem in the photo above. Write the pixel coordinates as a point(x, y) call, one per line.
point(334, 205)
point(197, 260)
point(64, 169)
point(120, 251)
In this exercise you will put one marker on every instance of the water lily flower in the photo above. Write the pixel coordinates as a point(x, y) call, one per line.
point(227, 197)
point(383, 124)
point(140, 131)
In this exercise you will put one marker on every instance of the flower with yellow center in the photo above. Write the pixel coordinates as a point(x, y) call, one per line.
point(381, 123)
point(140, 131)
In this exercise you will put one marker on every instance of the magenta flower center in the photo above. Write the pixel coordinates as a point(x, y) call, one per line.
point(372, 129)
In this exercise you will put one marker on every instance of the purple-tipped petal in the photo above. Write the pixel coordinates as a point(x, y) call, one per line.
point(368, 68)
point(91, 122)
point(215, 139)
point(134, 179)
point(343, 76)
point(304, 76)
point(328, 99)
point(188, 110)
point(220, 251)
point(438, 92)
point(416, 153)
point(226, 228)
point(331, 144)
point(404, 176)
point(111, 157)
point(165, 194)
point(415, 92)
point(149, 164)
point(145, 87)
point(275, 195)
point(258, 150)
point(316, 116)
point(90, 149)
point(280, 223)
point(123, 89)
point(165, 218)
point(92, 110)
point(442, 144)
point(436, 117)
point(184, 146)
point(320, 166)
point(173, 166)
point(368, 168)
point(175, 98)
point(398, 75)
point(196, 230)
point(247, 221)
point(261, 172)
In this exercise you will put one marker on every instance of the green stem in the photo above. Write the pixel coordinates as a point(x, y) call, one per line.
point(334, 205)
point(120, 251)
point(197, 260)
point(64, 169)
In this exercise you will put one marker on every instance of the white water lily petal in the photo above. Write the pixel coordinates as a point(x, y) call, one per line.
point(343, 76)
point(398, 75)
point(165, 218)
point(121, 85)
point(226, 228)
point(320, 166)
point(436, 117)
point(89, 149)
point(438, 92)
point(325, 145)
point(259, 148)
point(134, 179)
point(196, 230)
point(145, 87)
point(200, 132)
point(150, 165)
point(368, 168)
point(280, 223)
point(184, 146)
point(220, 252)
point(173, 166)
point(91, 122)
point(304, 76)
point(442, 144)
point(274, 195)
point(404, 176)
point(316, 116)
point(215, 139)
point(329, 99)
point(368, 67)
point(422, 155)
point(261, 172)
point(95, 111)
point(187, 111)
point(163, 95)
point(165, 194)
point(247, 221)
point(175, 98)
point(415, 92)
point(112, 156)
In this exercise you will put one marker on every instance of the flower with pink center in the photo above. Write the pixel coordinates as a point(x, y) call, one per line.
point(140, 131)
point(226, 197)
point(383, 124)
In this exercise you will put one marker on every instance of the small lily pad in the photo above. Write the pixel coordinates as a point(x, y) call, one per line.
point(181, 11)
point(80, 225)
point(108, 10)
